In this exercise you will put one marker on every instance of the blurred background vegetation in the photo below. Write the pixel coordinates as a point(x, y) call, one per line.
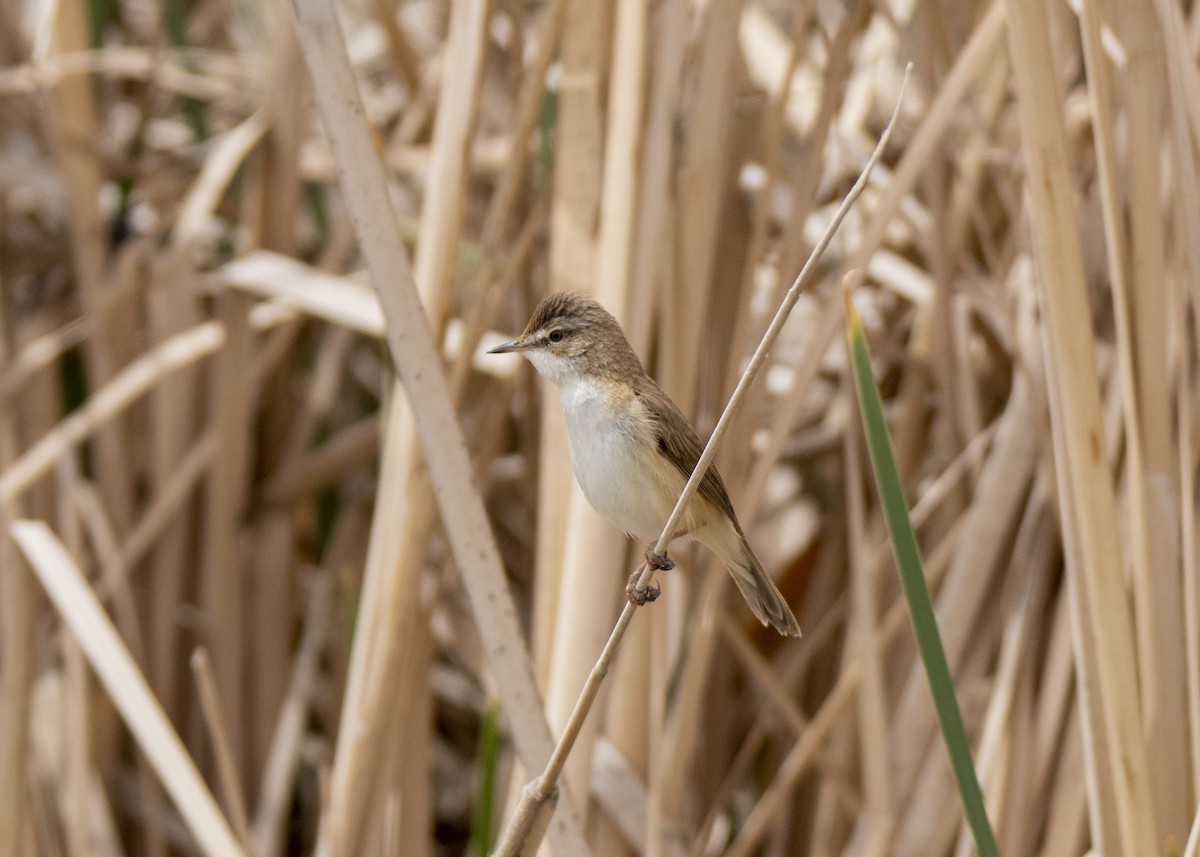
point(194, 393)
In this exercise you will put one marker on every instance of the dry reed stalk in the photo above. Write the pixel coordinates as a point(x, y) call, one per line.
point(278, 185)
point(417, 363)
point(1054, 707)
point(1104, 825)
point(223, 592)
point(387, 618)
point(939, 352)
point(18, 616)
point(279, 770)
point(125, 685)
point(708, 375)
point(1189, 554)
point(72, 118)
point(411, 775)
point(1037, 549)
point(776, 63)
point(872, 726)
point(393, 573)
point(1019, 803)
point(967, 389)
point(1183, 83)
point(1087, 498)
point(270, 639)
point(933, 341)
point(1067, 810)
point(1148, 525)
point(218, 734)
point(17, 611)
point(175, 469)
point(49, 767)
point(75, 740)
point(1154, 528)
point(78, 765)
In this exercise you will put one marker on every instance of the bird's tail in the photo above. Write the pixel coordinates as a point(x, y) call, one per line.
point(759, 590)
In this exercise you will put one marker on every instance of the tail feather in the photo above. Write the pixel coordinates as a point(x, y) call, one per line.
point(761, 593)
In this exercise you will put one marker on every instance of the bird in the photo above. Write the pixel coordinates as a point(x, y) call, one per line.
point(632, 450)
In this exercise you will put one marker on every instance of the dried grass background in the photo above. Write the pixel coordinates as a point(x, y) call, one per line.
point(216, 515)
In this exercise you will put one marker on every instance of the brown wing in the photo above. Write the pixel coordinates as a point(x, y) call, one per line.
point(678, 441)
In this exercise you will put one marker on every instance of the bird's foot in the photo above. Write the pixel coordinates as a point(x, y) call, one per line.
point(640, 596)
point(659, 563)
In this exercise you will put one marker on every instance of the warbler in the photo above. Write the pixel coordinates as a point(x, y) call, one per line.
point(632, 449)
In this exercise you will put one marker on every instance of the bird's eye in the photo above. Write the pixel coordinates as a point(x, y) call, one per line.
point(556, 336)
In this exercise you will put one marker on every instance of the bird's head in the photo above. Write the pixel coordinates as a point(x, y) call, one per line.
point(571, 335)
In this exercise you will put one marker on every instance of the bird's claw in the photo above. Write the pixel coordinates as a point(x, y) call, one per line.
point(658, 563)
point(641, 596)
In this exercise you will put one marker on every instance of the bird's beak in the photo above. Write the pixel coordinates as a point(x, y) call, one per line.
point(511, 345)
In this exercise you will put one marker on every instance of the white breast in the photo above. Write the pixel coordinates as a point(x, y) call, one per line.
point(614, 457)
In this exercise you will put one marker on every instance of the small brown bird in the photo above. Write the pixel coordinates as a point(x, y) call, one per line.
point(632, 450)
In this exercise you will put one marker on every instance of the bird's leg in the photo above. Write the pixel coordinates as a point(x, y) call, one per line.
point(657, 562)
point(651, 592)
point(640, 596)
